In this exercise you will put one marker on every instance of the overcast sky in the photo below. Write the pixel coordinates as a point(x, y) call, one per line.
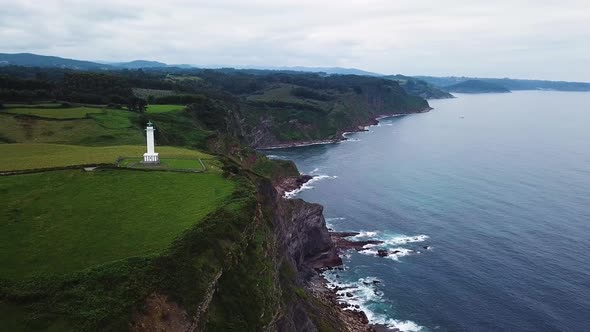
point(545, 39)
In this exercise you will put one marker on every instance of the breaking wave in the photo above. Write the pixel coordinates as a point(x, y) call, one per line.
point(392, 244)
point(364, 294)
point(329, 221)
point(308, 185)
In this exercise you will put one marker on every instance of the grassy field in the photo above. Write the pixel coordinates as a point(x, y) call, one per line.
point(111, 127)
point(56, 113)
point(164, 108)
point(32, 105)
point(107, 128)
point(33, 156)
point(64, 221)
point(173, 163)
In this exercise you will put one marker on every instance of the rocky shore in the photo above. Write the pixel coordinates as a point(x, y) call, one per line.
point(339, 242)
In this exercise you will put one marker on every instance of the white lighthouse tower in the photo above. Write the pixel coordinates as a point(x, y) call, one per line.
point(150, 157)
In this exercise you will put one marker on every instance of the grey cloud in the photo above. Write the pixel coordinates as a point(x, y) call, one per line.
point(524, 38)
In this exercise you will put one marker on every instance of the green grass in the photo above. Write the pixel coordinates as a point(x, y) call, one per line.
point(110, 127)
point(33, 105)
point(64, 221)
point(113, 127)
point(33, 156)
point(182, 163)
point(164, 108)
point(56, 113)
point(114, 119)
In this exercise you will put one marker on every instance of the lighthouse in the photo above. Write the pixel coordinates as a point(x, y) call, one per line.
point(150, 157)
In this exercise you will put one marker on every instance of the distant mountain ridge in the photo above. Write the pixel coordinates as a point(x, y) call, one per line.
point(509, 83)
point(137, 64)
point(45, 61)
point(416, 84)
point(327, 70)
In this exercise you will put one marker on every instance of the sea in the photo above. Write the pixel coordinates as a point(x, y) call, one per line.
point(483, 205)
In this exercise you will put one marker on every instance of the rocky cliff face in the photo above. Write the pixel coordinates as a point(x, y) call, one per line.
point(278, 116)
point(301, 232)
point(303, 244)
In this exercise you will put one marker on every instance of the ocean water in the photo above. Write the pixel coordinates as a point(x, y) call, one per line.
point(484, 204)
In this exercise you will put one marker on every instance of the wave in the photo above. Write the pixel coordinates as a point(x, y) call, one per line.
point(335, 218)
point(352, 140)
point(395, 253)
point(315, 170)
point(364, 294)
point(391, 239)
point(308, 185)
point(329, 221)
point(366, 234)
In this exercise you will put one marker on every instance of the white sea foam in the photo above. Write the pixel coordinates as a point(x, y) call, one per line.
point(396, 240)
point(308, 185)
point(352, 140)
point(391, 243)
point(366, 234)
point(404, 325)
point(394, 254)
point(361, 294)
point(329, 221)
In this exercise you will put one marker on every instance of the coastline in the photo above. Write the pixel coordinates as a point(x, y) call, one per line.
point(318, 285)
point(341, 136)
point(323, 289)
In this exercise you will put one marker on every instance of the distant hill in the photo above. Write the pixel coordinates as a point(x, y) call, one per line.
point(418, 87)
point(44, 61)
point(326, 70)
point(509, 83)
point(333, 70)
point(475, 86)
point(140, 64)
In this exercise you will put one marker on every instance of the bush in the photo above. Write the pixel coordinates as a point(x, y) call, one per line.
point(66, 105)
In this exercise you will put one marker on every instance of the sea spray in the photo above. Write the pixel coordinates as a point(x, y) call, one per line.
point(364, 293)
point(308, 185)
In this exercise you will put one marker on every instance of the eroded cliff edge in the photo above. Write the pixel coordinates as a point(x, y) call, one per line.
point(266, 279)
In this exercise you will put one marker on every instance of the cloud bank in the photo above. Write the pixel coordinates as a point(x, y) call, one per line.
point(517, 38)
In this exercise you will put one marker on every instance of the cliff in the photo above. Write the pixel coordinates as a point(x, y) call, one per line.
point(289, 110)
point(263, 283)
point(251, 264)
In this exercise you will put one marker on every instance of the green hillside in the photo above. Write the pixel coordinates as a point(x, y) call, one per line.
point(205, 232)
point(125, 214)
point(35, 156)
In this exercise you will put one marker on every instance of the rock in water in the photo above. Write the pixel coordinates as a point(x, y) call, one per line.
point(382, 253)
